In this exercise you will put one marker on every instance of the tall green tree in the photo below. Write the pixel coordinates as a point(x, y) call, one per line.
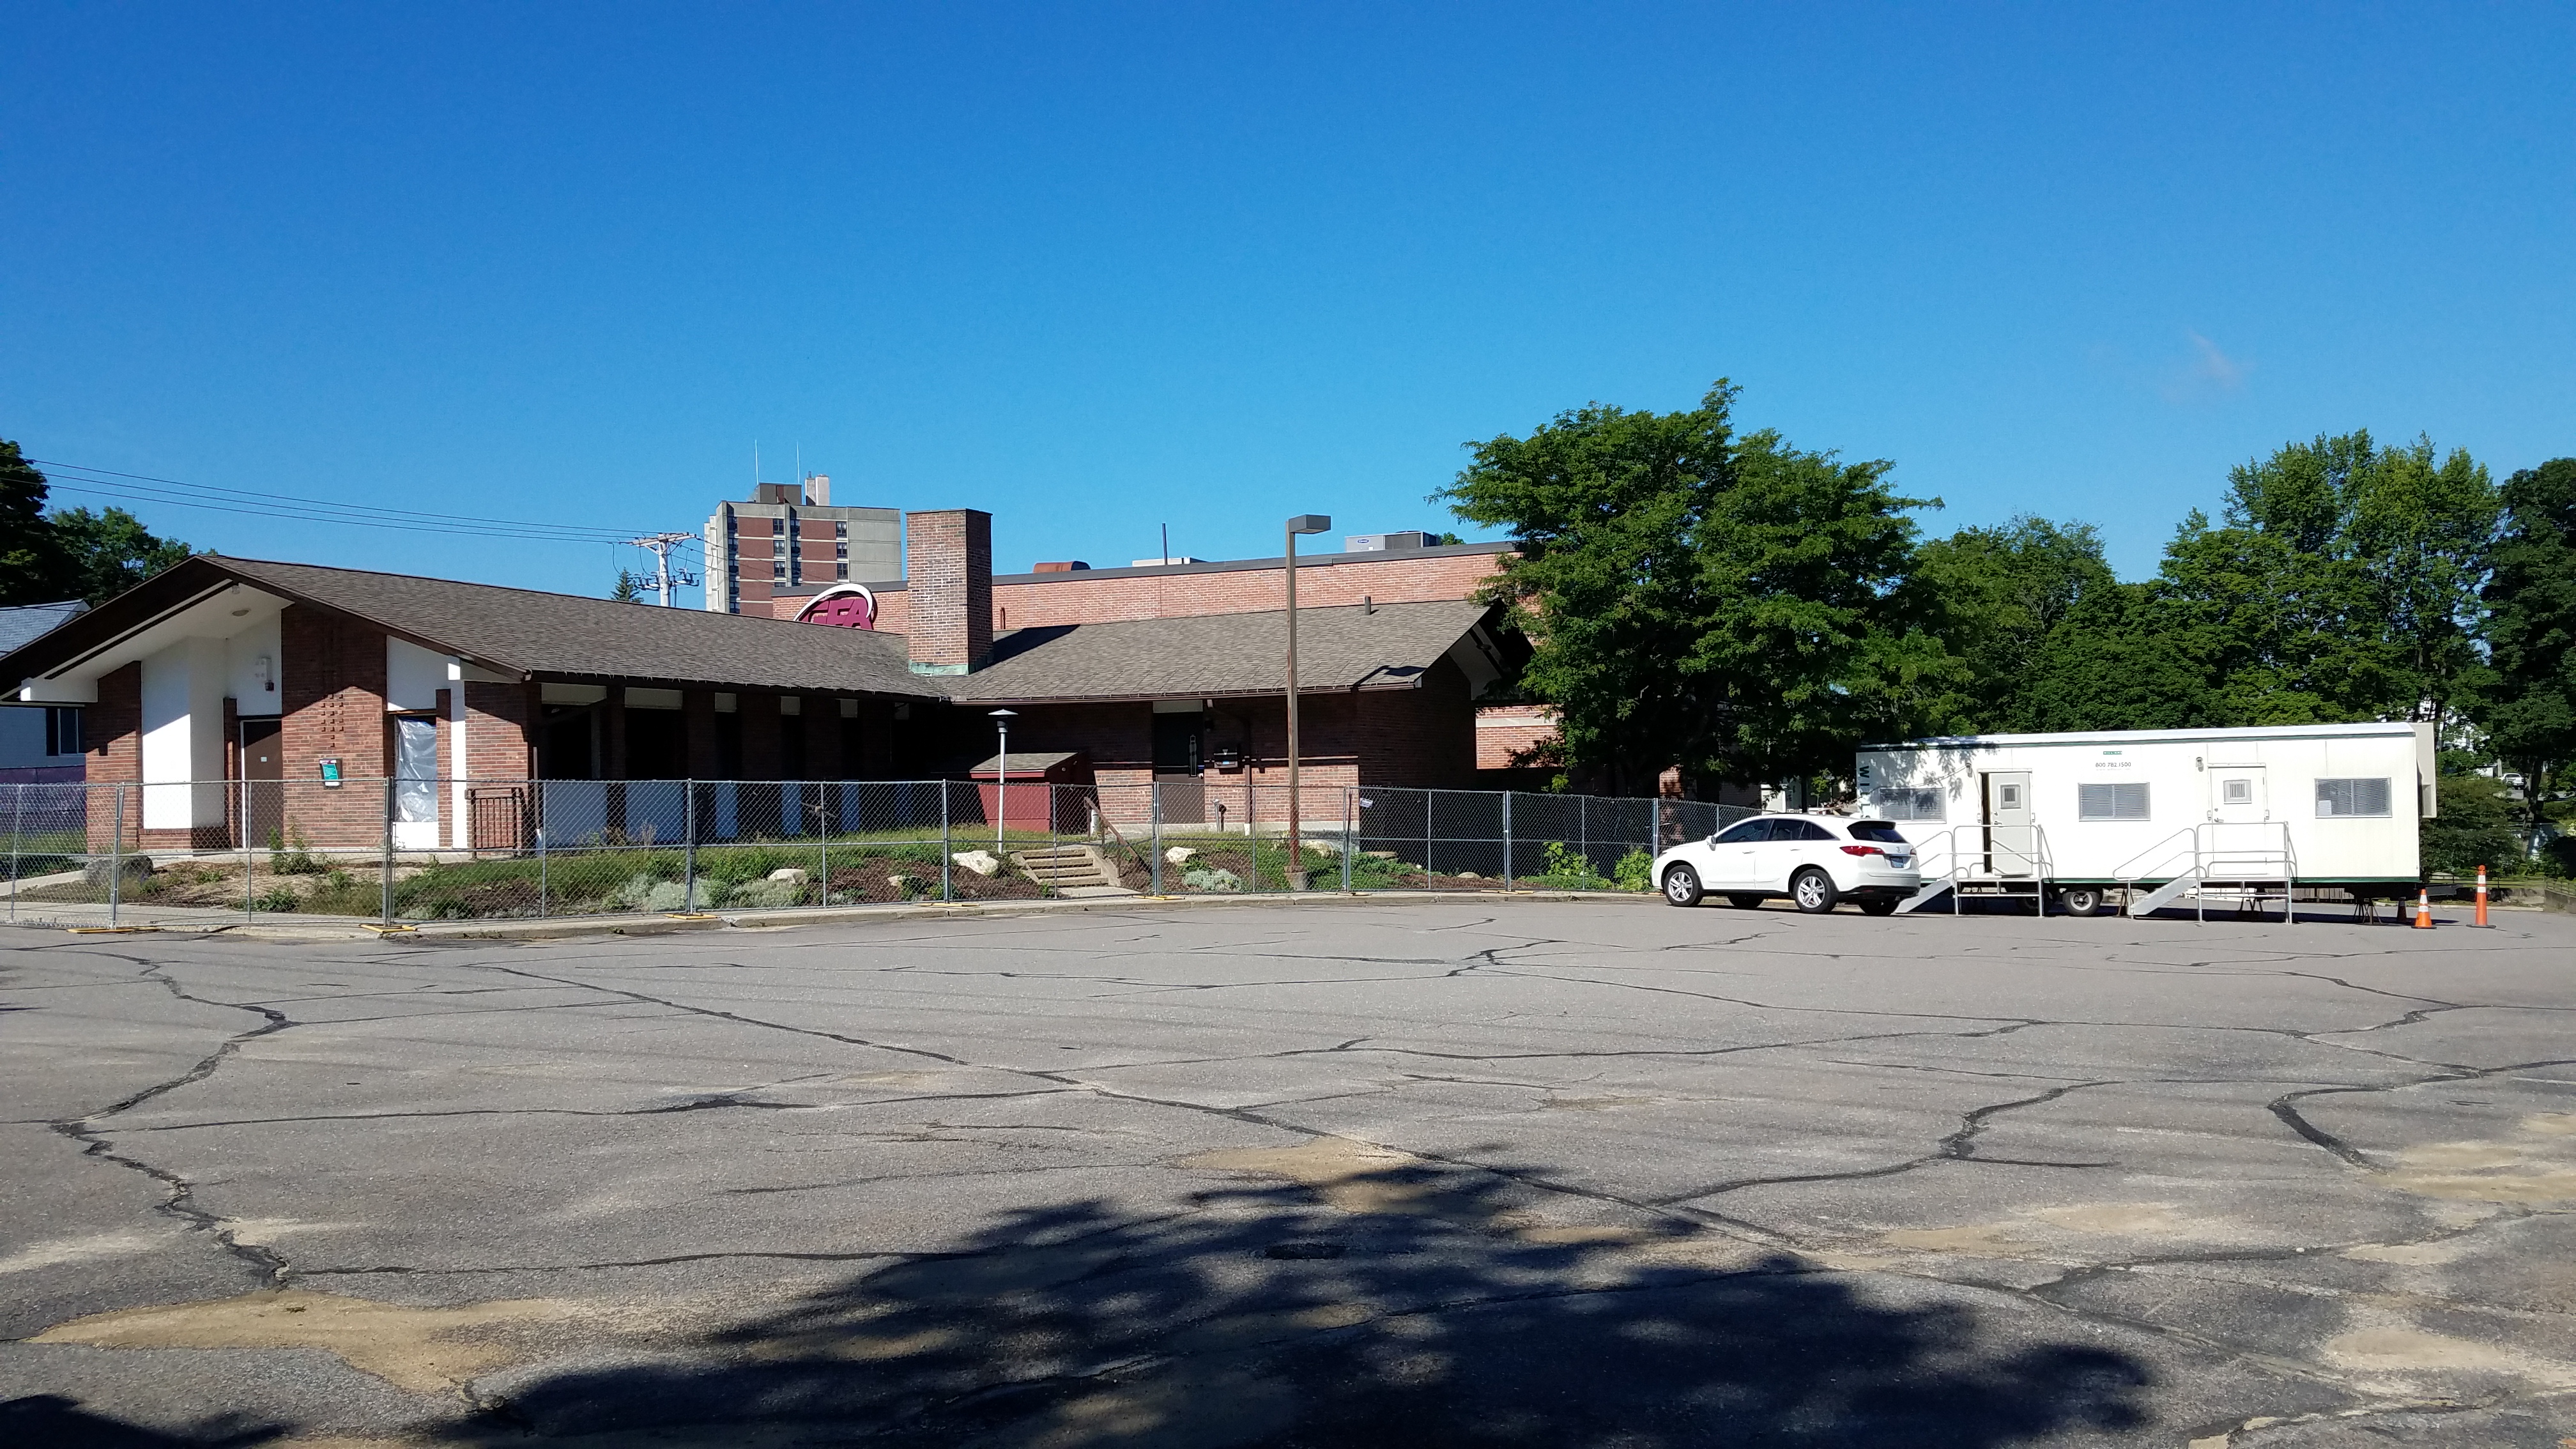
point(1731, 605)
point(2343, 582)
point(2003, 591)
point(69, 553)
point(110, 551)
point(32, 567)
point(2530, 717)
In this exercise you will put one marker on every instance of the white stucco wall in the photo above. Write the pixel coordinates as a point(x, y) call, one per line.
point(252, 695)
point(183, 735)
point(413, 675)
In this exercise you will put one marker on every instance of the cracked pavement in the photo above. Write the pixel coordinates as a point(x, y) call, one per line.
point(1472, 1173)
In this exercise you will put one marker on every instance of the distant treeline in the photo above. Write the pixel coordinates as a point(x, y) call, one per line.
point(1751, 611)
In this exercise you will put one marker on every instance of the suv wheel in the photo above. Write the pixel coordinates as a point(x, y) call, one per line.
point(1814, 891)
point(2081, 900)
point(1681, 885)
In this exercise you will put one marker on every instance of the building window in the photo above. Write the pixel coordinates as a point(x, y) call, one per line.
point(1908, 804)
point(840, 530)
point(841, 570)
point(2338, 798)
point(62, 731)
point(2111, 802)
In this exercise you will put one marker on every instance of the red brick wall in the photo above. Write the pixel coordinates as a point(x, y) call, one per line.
point(949, 563)
point(1092, 598)
point(753, 556)
point(115, 740)
point(1503, 730)
point(1424, 736)
point(331, 698)
point(499, 744)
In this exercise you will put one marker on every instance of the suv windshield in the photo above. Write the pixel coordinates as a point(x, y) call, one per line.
point(1878, 830)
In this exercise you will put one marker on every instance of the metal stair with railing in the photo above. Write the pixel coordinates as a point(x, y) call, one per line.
point(1959, 868)
point(2215, 859)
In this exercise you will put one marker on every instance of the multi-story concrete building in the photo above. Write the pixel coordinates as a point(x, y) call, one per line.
point(789, 536)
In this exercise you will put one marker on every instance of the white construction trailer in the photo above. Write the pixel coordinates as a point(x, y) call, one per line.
point(2152, 818)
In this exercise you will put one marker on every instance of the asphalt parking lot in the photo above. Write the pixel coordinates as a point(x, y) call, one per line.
point(1424, 1174)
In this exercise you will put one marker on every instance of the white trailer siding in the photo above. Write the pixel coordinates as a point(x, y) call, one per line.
point(2346, 798)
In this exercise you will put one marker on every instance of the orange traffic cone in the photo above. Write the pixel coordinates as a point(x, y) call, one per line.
point(2482, 895)
point(2423, 909)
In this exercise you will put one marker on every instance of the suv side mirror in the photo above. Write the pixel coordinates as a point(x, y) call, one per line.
point(1712, 838)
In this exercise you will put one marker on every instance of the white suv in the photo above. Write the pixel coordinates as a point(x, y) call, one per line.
point(1814, 860)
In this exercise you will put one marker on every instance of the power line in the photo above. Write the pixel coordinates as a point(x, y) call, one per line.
point(114, 484)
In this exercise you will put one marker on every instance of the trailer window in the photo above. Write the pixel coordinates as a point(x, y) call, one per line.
point(2111, 802)
point(2338, 798)
point(1907, 804)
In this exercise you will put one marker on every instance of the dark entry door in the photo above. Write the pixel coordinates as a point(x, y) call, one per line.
point(263, 771)
point(1177, 739)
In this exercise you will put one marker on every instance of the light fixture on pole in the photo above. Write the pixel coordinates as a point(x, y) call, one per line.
point(1001, 719)
point(1302, 523)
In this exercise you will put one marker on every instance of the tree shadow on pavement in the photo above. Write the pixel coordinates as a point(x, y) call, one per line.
point(1439, 1314)
point(50, 1421)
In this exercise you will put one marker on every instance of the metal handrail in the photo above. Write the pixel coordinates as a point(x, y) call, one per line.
point(2038, 858)
point(2189, 834)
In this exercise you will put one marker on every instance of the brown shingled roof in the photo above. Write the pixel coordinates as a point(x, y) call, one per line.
point(529, 633)
point(1341, 648)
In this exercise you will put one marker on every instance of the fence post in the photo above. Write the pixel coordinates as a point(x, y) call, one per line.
point(248, 916)
point(689, 846)
point(537, 793)
point(388, 875)
point(947, 891)
point(1507, 841)
point(116, 857)
point(1154, 814)
point(823, 821)
point(17, 831)
point(1350, 835)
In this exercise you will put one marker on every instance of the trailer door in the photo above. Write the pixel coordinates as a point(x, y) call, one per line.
point(2237, 795)
point(2012, 839)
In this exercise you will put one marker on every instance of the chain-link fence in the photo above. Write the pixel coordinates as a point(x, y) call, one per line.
point(201, 854)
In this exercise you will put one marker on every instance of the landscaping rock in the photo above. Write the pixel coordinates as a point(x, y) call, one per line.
point(133, 867)
point(982, 862)
point(908, 886)
point(1469, 875)
point(768, 895)
point(793, 874)
point(1179, 855)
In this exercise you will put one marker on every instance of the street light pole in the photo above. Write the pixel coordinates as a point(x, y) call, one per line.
point(1296, 871)
point(1002, 777)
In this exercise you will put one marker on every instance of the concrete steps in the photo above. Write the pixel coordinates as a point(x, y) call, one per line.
point(1075, 871)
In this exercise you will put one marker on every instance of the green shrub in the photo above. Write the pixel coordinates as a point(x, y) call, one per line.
point(1635, 871)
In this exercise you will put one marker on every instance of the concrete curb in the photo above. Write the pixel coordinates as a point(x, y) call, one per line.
point(657, 925)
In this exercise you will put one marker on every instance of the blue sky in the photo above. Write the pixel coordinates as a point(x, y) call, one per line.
point(1103, 268)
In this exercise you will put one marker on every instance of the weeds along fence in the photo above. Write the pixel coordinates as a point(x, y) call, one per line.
point(209, 853)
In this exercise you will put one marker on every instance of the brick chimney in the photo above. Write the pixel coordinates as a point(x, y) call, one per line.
point(948, 581)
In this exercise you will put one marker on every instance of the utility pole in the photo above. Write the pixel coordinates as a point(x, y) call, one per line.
point(661, 544)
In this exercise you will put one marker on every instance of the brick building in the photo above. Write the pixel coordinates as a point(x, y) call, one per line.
point(225, 670)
